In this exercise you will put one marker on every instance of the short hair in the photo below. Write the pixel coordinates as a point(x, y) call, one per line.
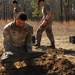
point(40, 1)
point(14, 1)
point(22, 16)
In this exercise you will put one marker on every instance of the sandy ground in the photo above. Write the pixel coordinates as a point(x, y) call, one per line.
point(64, 49)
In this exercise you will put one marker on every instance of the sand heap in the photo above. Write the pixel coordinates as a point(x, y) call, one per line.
point(48, 64)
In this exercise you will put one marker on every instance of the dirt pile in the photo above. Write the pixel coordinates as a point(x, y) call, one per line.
point(53, 65)
point(48, 64)
point(61, 67)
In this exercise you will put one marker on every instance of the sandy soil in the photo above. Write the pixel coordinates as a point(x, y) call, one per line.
point(59, 61)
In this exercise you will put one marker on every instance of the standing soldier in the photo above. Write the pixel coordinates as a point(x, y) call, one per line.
point(45, 24)
point(17, 39)
point(16, 8)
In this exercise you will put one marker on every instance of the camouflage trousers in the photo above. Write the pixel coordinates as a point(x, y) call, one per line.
point(49, 33)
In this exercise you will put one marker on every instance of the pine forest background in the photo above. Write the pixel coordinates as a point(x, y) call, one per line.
point(61, 9)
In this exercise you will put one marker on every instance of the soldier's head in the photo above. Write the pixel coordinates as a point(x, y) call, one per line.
point(41, 2)
point(14, 3)
point(20, 19)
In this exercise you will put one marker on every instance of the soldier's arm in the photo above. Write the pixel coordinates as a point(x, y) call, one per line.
point(49, 12)
point(48, 15)
point(29, 40)
point(6, 41)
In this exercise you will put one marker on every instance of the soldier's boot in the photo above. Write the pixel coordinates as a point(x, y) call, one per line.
point(33, 39)
point(52, 46)
point(39, 35)
point(37, 44)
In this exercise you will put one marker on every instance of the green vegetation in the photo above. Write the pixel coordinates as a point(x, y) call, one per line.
point(64, 12)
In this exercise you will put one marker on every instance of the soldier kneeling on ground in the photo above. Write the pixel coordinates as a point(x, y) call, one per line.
point(17, 39)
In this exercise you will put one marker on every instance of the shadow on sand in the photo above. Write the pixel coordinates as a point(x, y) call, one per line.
point(70, 52)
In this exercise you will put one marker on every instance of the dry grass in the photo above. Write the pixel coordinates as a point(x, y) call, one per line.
point(65, 23)
point(64, 28)
point(59, 29)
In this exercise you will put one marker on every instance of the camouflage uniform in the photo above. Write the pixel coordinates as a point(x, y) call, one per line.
point(17, 40)
point(47, 27)
point(16, 10)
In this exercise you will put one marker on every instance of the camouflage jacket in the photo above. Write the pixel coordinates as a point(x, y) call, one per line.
point(17, 38)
